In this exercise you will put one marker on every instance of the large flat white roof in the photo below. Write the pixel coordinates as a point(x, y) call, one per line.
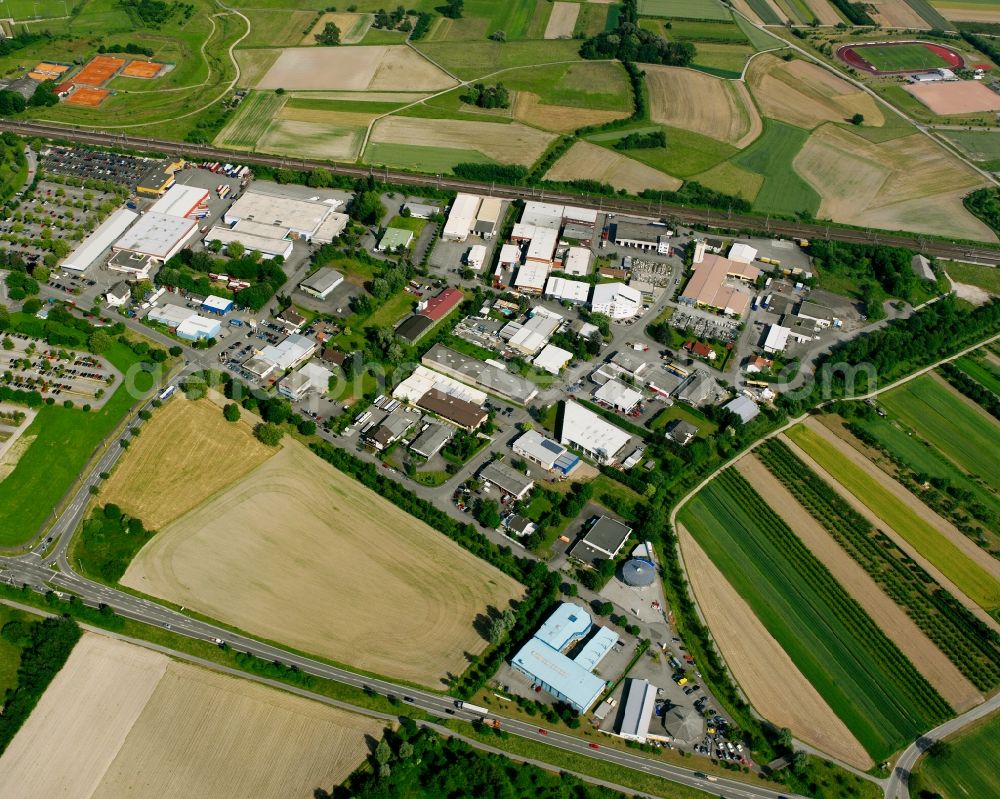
point(586, 430)
point(777, 338)
point(560, 288)
point(546, 215)
point(461, 216)
point(543, 246)
point(90, 249)
point(423, 380)
point(577, 261)
point(552, 358)
point(292, 214)
point(532, 276)
point(180, 200)
point(157, 235)
point(618, 395)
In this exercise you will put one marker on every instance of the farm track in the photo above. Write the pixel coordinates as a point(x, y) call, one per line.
point(689, 216)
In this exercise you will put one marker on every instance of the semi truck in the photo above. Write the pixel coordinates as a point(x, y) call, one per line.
point(471, 708)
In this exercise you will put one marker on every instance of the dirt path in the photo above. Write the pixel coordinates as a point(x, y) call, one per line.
point(771, 681)
point(901, 542)
point(983, 559)
point(929, 660)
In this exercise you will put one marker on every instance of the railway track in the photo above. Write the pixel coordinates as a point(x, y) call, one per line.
point(684, 215)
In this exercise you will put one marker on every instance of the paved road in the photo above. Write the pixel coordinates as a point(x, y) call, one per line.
point(689, 216)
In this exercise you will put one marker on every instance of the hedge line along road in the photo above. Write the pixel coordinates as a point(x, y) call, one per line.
point(683, 214)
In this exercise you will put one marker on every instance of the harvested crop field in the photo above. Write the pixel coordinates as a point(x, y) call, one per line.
point(896, 14)
point(379, 68)
point(508, 144)
point(129, 722)
point(254, 64)
point(969, 10)
point(334, 135)
point(559, 118)
point(586, 160)
point(562, 21)
point(974, 570)
point(685, 98)
point(731, 179)
point(955, 97)
point(186, 453)
point(806, 95)
point(300, 553)
point(765, 672)
point(929, 660)
point(824, 12)
point(880, 183)
point(353, 27)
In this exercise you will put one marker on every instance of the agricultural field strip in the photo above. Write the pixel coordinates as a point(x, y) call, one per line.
point(868, 682)
point(966, 435)
point(972, 646)
point(966, 568)
point(982, 371)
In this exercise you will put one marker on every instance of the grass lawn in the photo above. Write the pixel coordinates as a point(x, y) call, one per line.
point(970, 578)
point(684, 9)
point(477, 59)
point(865, 679)
point(685, 413)
point(54, 461)
point(391, 311)
point(980, 145)
point(982, 371)
point(421, 158)
point(771, 156)
point(723, 60)
point(685, 155)
point(970, 438)
point(986, 277)
point(897, 57)
point(410, 223)
point(965, 767)
point(600, 86)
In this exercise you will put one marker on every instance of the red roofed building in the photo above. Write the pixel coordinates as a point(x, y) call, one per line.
point(64, 88)
point(438, 307)
point(699, 349)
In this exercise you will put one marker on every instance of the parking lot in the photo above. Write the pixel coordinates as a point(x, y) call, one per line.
point(80, 378)
point(86, 164)
point(54, 212)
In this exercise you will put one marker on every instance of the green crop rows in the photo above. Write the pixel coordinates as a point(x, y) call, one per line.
point(866, 680)
point(973, 647)
point(982, 371)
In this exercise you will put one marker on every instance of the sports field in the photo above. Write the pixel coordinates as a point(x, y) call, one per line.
point(301, 553)
point(866, 680)
point(902, 56)
point(684, 9)
point(186, 453)
point(965, 767)
point(967, 435)
point(968, 567)
point(129, 722)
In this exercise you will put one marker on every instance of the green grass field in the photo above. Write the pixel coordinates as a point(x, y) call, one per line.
point(896, 57)
point(982, 371)
point(722, 60)
point(685, 413)
point(252, 120)
point(970, 438)
point(272, 27)
point(865, 679)
point(592, 20)
point(965, 767)
point(764, 10)
point(693, 30)
point(421, 158)
point(771, 156)
point(10, 653)
point(477, 59)
point(986, 277)
point(979, 145)
point(684, 9)
point(685, 155)
point(970, 578)
point(65, 440)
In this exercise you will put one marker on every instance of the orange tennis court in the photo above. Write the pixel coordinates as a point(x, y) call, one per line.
point(98, 70)
point(142, 69)
point(87, 96)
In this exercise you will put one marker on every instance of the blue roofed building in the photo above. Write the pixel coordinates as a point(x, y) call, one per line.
point(548, 454)
point(568, 679)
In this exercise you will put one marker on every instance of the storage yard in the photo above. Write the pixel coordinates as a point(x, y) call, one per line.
point(131, 722)
point(336, 571)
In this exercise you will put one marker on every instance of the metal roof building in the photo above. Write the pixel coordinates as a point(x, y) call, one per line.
point(217, 305)
point(618, 396)
point(577, 261)
point(289, 353)
point(268, 246)
point(321, 282)
point(744, 407)
point(91, 248)
point(593, 652)
point(547, 453)
point(507, 479)
point(552, 358)
point(567, 624)
point(616, 300)
point(461, 217)
point(459, 412)
point(169, 315)
point(543, 215)
point(186, 202)
point(558, 675)
point(603, 541)
point(157, 235)
point(292, 217)
point(638, 704)
point(777, 338)
point(638, 572)
point(423, 380)
point(197, 327)
point(480, 374)
point(575, 291)
point(592, 435)
point(394, 239)
point(431, 439)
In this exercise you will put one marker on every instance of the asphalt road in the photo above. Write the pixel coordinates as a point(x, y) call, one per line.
point(683, 214)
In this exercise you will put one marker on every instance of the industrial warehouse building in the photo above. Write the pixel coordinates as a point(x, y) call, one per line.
point(287, 355)
point(720, 284)
point(185, 202)
point(321, 282)
point(570, 679)
point(461, 217)
point(507, 479)
point(638, 704)
point(394, 239)
point(593, 436)
point(291, 218)
point(550, 455)
point(616, 300)
point(459, 412)
point(250, 235)
point(310, 378)
point(489, 378)
point(184, 322)
point(618, 396)
point(430, 440)
point(98, 242)
point(552, 359)
point(157, 236)
point(563, 290)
